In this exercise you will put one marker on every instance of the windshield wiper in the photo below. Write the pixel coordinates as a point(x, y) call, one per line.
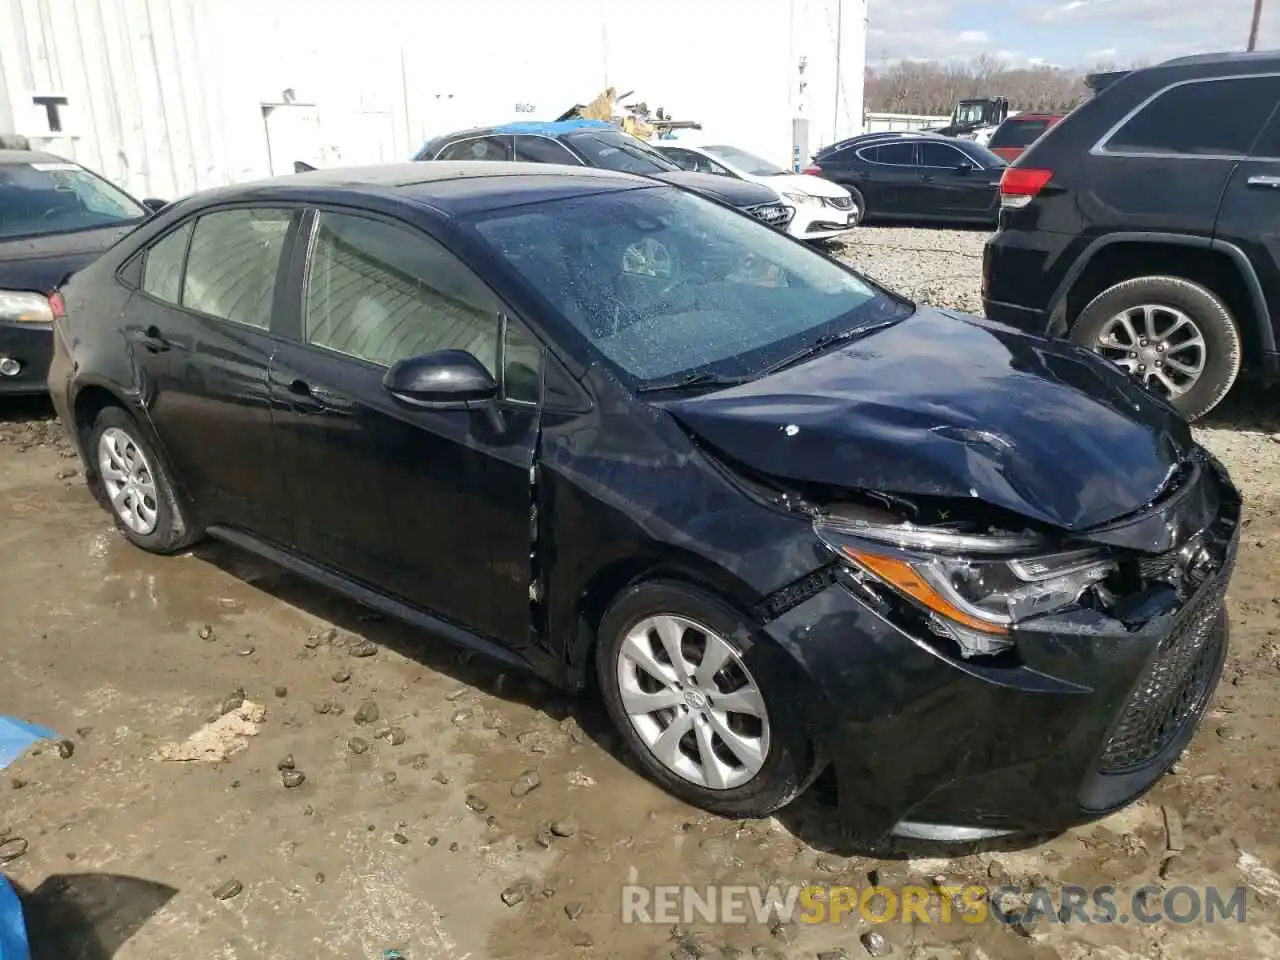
point(692, 381)
point(826, 342)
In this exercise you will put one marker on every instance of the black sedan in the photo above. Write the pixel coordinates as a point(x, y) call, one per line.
point(916, 176)
point(632, 440)
point(596, 143)
point(55, 216)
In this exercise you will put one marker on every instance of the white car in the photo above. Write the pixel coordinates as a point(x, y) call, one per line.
point(823, 209)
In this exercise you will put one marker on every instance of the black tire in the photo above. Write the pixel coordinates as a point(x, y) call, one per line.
point(1223, 348)
point(790, 764)
point(172, 529)
point(860, 205)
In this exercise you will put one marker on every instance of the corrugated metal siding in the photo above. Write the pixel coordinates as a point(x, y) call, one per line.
point(145, 105)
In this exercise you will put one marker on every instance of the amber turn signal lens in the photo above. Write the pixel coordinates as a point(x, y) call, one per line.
point(902, 577)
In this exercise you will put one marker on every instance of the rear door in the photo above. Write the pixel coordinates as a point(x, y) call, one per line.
point(200, 331)
point(429, 505)
point(1251, 203)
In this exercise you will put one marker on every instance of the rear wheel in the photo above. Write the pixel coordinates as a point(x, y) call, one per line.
point(134, 485)
point(699, 703)
point(1176, 337)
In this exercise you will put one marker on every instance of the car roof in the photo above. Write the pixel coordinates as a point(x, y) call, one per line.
point(554, 128)
point(1034, 116)
point(1230, 58)
point(10, 157)
point(453, 187)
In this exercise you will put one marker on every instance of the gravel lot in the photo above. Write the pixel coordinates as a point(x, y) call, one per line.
point(417, 835)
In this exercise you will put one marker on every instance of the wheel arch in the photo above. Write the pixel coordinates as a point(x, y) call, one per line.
point(1221, 267)
point(612, 578)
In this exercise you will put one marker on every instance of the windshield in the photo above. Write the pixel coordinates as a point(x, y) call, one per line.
point(746, 162)
point(970, 112)
point(663, 283)
point(37, 199)
point(984, 156)
point(615, 150)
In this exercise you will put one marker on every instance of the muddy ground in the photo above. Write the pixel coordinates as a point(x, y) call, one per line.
point(404, 832)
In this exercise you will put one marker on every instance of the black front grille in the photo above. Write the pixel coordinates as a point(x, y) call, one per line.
point(840, 203)
point(1175, 687)
point(774, 214)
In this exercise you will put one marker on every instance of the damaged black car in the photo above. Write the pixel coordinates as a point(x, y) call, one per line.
point(778, 518)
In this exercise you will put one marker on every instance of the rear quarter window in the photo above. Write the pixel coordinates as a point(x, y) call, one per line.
point(1217, 117)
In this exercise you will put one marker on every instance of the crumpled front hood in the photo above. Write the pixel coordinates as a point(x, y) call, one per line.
point(952, 406)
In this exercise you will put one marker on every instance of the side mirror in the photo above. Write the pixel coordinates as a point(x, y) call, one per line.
point(155, 204)
point(446, 377)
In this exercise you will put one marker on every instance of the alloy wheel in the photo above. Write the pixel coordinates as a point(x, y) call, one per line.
point(129, 481)
point(1157, 344)
point(693, 702)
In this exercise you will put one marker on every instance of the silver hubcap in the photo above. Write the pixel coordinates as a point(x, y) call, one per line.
point(1158, 344)
point(130, 484)
point(692, 702)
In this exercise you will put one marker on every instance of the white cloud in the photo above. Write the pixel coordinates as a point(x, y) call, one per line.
point(972, 36)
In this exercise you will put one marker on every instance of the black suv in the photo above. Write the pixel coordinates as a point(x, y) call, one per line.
point(1143, 227)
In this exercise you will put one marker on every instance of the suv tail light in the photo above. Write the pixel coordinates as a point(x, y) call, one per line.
point(814, 171)
point(57, 306)
point(1018, 185)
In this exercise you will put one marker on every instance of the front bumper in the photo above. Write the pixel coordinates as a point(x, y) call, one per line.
point(933, 747)
point(813, 222)
point(30, 345)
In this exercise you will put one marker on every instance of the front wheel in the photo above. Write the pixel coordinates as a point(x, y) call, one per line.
point(702, 706)
point(1176, 337)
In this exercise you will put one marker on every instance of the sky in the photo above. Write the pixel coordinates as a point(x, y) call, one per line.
point(1065, 33)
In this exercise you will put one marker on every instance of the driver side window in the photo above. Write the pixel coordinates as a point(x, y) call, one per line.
point(382, 292)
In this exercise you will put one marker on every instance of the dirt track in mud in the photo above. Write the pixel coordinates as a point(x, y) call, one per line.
point(404, 833)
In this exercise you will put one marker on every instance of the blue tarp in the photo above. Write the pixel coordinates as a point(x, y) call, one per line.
point(13, 929)
point(16, 736)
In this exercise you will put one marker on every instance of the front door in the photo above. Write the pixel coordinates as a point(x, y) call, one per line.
point(428, 505)
point(952, 186)
point(200, 333)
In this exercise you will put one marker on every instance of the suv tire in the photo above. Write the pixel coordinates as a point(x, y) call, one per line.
point(1170, 301)
point(648, 619)
point(134, 485)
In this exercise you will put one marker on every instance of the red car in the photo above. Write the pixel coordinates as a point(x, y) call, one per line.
point(1019, 132)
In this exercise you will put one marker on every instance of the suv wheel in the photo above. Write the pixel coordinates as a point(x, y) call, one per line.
point(702, 707)
point(134, 485)
point(1176, 337)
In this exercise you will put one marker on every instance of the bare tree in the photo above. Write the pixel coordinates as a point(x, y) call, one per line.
point(932, 87)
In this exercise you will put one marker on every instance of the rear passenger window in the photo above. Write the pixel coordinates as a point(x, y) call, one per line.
point(478, 148)
point(233, 264)
point(162, 267)
point(893, 154)
point(1203, 118)
point(384, 293)
point(543, 150)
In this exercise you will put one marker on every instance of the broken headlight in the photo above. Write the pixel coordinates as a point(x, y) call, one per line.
point(972, 587)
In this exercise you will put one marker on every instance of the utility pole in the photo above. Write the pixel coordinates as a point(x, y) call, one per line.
point(835, 116)
point(1253, 29)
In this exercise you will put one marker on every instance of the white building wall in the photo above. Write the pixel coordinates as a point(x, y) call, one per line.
point(170, 96)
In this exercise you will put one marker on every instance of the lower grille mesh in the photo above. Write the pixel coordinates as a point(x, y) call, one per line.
point(1174, 689)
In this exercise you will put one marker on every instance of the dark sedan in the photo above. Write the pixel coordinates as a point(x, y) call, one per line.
point(595, 143)
point(916, 176)
point(55, 216)
point(622, 436)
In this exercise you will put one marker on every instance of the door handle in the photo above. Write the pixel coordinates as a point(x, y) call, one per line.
point(928, 177)
point(1272, 183)
point(152, 340)
point(305, 398)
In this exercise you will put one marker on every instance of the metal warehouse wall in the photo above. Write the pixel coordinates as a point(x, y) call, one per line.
point(133, 87)
point(170, 96)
